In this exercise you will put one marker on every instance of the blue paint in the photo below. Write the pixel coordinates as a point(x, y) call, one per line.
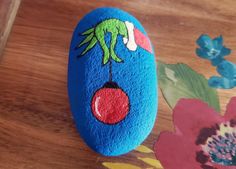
point(136, 75)
point(214, 51)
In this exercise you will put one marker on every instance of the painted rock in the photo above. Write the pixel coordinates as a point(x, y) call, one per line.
point(112, 81)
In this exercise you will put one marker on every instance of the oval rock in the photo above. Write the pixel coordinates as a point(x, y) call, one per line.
point(112, 81)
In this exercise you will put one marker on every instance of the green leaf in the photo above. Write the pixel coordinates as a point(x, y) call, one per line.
point(180, 81)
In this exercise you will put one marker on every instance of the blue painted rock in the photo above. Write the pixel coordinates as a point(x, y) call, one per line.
point(112, 81)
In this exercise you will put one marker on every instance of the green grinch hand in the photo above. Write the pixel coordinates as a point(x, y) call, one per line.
point(97, 34)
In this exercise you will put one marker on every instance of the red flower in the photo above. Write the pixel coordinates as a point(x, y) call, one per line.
point(203, 139)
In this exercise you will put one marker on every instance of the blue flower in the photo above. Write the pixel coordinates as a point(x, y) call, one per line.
point(222, 82)
point(212, 49)
point(227, 69)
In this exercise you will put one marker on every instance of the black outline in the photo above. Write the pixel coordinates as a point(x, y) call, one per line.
point(110, 83)
point(80, 34)
point(115, 86)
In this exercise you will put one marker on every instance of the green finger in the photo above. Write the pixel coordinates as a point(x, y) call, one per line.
point(86, 40)
point(88, 31)
point(91, 45)
point(115, 57)
point(106, 57)
point(112, 47)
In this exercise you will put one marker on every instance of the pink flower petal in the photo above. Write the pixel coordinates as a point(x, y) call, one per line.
point(217, 166)
point(191, 115)
point(176, 152)
point(231, 109)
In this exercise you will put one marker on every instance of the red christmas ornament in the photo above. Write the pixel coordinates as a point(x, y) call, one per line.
point(110, 104)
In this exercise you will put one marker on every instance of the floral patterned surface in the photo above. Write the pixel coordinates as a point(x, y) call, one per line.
point(202, 137)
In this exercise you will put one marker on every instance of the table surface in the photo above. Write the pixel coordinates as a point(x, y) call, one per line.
point(8, 10)
point(36, 127)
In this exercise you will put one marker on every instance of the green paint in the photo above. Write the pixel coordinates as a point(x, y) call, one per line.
point(87, 39)
point(97, 34)
point(91, 45)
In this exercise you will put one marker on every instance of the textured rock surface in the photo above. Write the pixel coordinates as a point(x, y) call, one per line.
point(111, 58)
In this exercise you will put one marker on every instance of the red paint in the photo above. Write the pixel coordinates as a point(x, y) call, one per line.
point(142, 40)
point(110, 105)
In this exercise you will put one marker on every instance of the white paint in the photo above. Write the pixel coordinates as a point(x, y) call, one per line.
point(125, 40)
point(96, 106)
point(171, 75)
point(131, 44)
